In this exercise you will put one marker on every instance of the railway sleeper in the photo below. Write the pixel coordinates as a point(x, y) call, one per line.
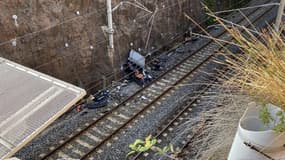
point(93, 137)
point(184, 67)
point(153, 91)
point(84, 143)
point(174, 77)
point(161, 84)
point(113, 119)
point(157, 89)
point(181, 69)
point(98, 132)
point(177, 71)
point(187, 64)
point(63, 155)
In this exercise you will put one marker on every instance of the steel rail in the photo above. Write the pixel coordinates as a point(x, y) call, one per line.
point(159, 134)
point(146, 107)
point(130, 98)
point(191, 139)
point(177, 116)
point(124, 102)
point(156, 99)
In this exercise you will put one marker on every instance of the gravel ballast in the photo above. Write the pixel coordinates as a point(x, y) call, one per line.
point(67, 124)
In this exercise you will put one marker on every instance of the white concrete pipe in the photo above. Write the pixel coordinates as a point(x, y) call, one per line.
point(251, 130)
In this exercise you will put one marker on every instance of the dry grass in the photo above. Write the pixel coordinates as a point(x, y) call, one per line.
point(260, 69)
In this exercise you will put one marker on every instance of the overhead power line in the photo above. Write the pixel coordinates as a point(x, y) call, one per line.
point(196, 33)
point(54, 25)
point(100, 42)
point(246, 8)
point(136, 4)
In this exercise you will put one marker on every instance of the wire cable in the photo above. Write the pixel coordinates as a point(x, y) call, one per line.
point(58, 58)
point(94, 86)
point(246, 8)
point(144, 56)
point(54, 25)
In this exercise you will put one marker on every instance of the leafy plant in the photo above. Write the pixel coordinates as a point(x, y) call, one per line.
point(166, 149)
point(142, 146)
point(162, 151)
point(280, 127)
point(265, 116)
point(148, 144)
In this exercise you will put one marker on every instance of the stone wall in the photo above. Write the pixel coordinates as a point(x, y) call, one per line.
point(46, 27)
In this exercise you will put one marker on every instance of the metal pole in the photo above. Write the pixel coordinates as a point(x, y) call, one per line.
point(279, 15)
point(110, 24)
point(104, 81)
point(110, 31)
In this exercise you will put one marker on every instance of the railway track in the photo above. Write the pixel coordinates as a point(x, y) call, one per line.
point(103, 130)
point(178, 118)
point(172, 123)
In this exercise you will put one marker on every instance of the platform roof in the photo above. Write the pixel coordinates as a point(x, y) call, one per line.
point(29, 102)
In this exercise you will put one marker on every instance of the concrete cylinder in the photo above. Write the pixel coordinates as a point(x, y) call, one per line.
point(252, 131)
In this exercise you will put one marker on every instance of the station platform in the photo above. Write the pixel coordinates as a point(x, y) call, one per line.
point(29, 102)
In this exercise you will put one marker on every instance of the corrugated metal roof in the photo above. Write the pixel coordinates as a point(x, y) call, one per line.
point(29, 102)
